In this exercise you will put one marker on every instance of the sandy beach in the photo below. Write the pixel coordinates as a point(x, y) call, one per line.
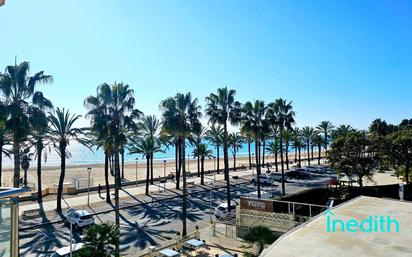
point(51, 174)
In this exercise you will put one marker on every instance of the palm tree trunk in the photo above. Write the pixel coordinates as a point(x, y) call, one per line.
point(226, 161)
point(16, 155)
point(122, 154)
point(257, 166)
point(198, 163)
point(287, 155)
point(202, 171)
point(234, 161)
point(281, 161)
point(180, 165)
point(184, 204)
point(250, 159)
point(116, 196)
point(151, 169)
point(217, 156)
point(39, 189)
point(308, 152)
point(312, 151)
point(319, 150)
point(263, 153)
point(276, 162)
point(147, 173)
point(62, 174)
point(326, 143)
point(300, 164)
point(106, 178)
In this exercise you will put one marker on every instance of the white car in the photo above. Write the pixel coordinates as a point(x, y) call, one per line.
point(65, 251)
point(263, 179)
point(221, 209)
point(79, 218)
point(263, 195)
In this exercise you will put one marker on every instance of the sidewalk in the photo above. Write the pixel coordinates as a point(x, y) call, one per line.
point(127, 193)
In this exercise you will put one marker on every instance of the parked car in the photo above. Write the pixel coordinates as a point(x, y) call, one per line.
point(298, 174)
point(264, 180)
point(221, 209)
point(263, 195)
point(79, 218)
point(65, 251)
point(276, 176)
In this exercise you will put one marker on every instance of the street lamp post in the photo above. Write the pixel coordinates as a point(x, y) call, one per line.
point(211, 185)
point(88, 186)
point(136, 169)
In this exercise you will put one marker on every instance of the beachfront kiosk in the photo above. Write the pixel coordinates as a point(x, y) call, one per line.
point(9, 221)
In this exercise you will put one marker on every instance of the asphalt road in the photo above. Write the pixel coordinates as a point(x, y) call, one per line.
point(149, 224)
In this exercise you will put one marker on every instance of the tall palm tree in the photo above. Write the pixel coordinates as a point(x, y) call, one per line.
point(199, 133)
point(116, 109)
point(235, 143)
point(222, 109)
point(21, 99)
point(149, 126)
point(215, 135)
point(40, 139)
point(318, 141)
point(326, 127)
point(297, 144)
point(4, 139)
point(253, 120)
point(202, 152)
point(308, 133)
point(62, 132)
point(25, 159)
point(146, 146)
point(281, 114)
point(180, 115)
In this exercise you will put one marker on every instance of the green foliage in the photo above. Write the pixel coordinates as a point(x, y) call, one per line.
point(259, 235)
point(98, 239)
point(354, 154)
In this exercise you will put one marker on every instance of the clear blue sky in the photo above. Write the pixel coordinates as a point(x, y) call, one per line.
point(344, 61)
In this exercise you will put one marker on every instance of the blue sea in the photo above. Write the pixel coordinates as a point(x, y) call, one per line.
point(82, 155)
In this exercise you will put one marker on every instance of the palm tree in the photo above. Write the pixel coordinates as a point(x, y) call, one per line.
point(198, 134)
point(236, 143)
point(202, 152)
point(40, 139)
point(149, 126)
point(98, 239)
point(25, 156)
point(307, 133)
point(221, 109)
point(280, 113)
point(261, 236)
point(253, 120)
point(319, 141)
point(326, 127)
point(62, 132)
point(146, 146)
point(342, 130)
point(180, 115)
point(297, 144)
point(21, 100)
point(215, 135)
